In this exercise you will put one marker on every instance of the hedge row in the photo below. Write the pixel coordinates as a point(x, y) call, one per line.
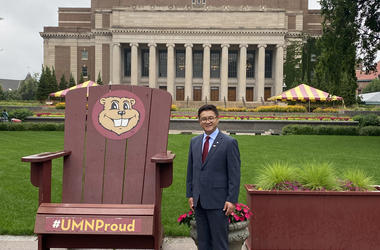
point(330, 130)
point(34, 126)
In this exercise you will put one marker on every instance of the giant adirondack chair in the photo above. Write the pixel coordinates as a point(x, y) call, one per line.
point(115, 165)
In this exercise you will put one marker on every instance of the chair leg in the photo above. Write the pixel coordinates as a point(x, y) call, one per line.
point(42, 243)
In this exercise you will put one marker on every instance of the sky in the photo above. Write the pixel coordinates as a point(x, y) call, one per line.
point(21, 46)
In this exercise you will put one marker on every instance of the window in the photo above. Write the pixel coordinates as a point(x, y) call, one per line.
point(215, 64)
point(84, 71)
point(180, 63)
point(127, 62)
point(198, 64)
point(268, 63)
point(198, 2)
point(84, 54)
point(180, 93)
point(250, 64)
point(232, 64)
point(162, 63)
point(214, 93)
point(144, 62)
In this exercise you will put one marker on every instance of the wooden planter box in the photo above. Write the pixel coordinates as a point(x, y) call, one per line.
point(313, 220)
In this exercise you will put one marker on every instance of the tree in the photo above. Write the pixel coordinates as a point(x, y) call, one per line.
point(71, 81)
point(42, 91)
point(373, 86)
point(2, 96)
point(335, 70)
point(81, 80)
point(310, 53)
point(62, 83)
point(28, 88)
point(53, 84)
point(99, 80)
point(368, 22)
point(292, 70)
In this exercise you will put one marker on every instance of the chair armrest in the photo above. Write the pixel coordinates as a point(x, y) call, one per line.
point(164, 162)
point(167, 157)
point(40, 172)
point(47, 156)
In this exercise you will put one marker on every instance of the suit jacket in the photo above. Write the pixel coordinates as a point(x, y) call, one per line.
point(217, 180)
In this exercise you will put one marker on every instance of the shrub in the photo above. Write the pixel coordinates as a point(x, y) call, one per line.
point(319, 130)
point(174, 107)
point(345, 130)
point(318, 176)
point(10, 126)
point(20, 113)
point(277, 176)
point(297, 130)
point(367, 120)
point(60, 105)
point(370, 131)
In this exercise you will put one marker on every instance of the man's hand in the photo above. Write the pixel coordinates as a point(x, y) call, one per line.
point(228, 208)
point(191, 203)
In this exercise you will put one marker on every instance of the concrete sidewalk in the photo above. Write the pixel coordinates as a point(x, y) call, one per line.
point(30, 243)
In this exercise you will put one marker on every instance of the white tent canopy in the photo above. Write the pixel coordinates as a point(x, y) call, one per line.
point(370, 98)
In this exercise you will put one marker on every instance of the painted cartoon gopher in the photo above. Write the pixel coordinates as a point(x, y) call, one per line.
point(118, 114)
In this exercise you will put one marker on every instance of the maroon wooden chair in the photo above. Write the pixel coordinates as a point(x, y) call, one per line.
point(115, 165)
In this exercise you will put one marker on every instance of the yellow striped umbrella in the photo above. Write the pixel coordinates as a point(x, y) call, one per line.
point(304, 93)
point(62, 93)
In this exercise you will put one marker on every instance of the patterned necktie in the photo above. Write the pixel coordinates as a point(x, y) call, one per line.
point(205, 149)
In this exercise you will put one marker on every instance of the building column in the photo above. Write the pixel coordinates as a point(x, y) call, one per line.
point(188, 71)
point(152, 65)
point(224, 73)
point(74, 62)
point(206, 72)
point(279, 70)
point(260, 80)
point(170, 74)
point(98, 60)
point(116, 63)
point(242, 72)
point(134, 63)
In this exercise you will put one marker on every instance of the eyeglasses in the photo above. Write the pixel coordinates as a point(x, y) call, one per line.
point(207, 119)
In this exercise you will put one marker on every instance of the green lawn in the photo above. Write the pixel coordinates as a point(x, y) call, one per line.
point(19, 198)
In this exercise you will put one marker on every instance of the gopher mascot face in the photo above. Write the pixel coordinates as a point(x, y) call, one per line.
point(118, 114)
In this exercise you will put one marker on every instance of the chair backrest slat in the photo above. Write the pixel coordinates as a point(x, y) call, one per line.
point(95, 153)
point(107, 170)
point(158, 133)
point(75, 126)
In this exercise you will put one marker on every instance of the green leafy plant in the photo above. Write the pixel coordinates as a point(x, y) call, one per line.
point(318, 176)
point(277, 176)
point(20, 113)
point(357, 180)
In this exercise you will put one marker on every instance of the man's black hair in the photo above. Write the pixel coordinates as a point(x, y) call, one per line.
point(208, 107)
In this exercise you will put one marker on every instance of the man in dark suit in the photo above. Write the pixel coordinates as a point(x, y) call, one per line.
point(213, 180)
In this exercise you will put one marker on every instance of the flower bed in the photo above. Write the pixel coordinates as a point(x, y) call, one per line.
point(49, 114)
point(255, 117)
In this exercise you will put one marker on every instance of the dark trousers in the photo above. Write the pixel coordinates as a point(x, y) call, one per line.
point(212, 228)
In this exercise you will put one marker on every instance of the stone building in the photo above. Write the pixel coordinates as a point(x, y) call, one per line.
point(198, 50)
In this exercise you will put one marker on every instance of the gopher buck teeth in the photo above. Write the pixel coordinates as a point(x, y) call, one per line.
point(121, 122)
